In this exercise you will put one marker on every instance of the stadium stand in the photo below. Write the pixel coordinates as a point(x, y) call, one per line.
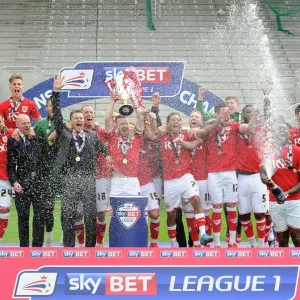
point(52, 34)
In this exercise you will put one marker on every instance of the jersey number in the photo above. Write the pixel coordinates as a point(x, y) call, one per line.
point(234, 187)
point(4, 192)
point(101, 196)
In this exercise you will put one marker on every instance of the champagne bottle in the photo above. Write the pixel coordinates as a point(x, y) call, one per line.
point(277, 192)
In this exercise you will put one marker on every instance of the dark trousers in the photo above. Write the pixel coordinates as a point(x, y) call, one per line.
point(49, 217)
point(32, 195)
point(79, 188)
point(180, 233)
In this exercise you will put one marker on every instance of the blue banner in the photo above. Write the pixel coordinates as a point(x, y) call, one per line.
point(86, 81)
point(159, 282)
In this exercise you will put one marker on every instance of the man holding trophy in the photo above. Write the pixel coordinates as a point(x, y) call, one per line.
point(123, 144)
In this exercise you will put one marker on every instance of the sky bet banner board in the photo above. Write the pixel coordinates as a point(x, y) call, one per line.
point(86, 80)
point(61, 273)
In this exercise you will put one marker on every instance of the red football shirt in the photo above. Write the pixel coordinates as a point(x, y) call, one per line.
point(103, 168)
point(295, 135)
point(144, 174)
point(26, 107)
point(225, 160)
point(284, 177)
point(171, 169)
point(247, 157)
point(129, 169)
point(153, 148)
point(199, 164)
point(3, 153)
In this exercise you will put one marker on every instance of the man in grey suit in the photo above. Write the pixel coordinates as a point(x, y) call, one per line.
point(77, 159)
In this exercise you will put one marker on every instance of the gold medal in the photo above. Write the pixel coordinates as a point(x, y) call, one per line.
point(77, 158)
point(125, 161)
point(177, 161)
point(220, 152)
point(295, 170)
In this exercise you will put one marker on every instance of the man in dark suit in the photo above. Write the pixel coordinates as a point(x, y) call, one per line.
point(25, 172)
point(77, 158)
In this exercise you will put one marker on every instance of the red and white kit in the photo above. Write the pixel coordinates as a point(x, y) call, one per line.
point(287, 214)
point(222, 163)
point(125, 156)
point(179, 182)
point(253, 195)
point(145, 176)
point(10, 110)
point(103, 179)
point(199, 171)
point(295, 135)
point(5, 187)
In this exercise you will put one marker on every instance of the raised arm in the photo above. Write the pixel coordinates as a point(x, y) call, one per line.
point(150, 129)
point(155, 108)
point(57, 115)
point(190, 145)
point(200, 106)
point(102, 147)
point(202, 132)
point(109, 116)
point(139, 120)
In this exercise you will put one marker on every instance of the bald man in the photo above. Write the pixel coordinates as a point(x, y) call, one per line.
point(25, 173)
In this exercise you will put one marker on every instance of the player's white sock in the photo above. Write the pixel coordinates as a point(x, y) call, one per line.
point(252, 242)
point(261, 242)
point(271, 235)
point(49, 236)
point(232, 236)
point(174, 244)
point(62, 238)
point(217, 241)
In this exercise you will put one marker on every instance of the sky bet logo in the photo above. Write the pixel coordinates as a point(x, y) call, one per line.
point(153, 74)
point(110, 284)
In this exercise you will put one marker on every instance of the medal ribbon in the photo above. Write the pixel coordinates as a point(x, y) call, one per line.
point(176, 150)
point(290, 156)
point(79, 148)
point(247, 137)
point(48, 131)
point(218, 137)
point(124, 145)
point(12, 104)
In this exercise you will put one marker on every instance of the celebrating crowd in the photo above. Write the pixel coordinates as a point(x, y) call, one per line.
point(216, 164)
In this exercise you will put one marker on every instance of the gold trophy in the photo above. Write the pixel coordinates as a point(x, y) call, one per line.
point(126, 87)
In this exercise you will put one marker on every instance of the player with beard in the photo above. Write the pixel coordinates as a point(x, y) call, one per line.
point(222, 180)
point(199, 171)
point(5, 187)
point(124, 149)
point(285, 174)
point(235, 116)
point(253, 195)
point(17, 104)
point(180, 189)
